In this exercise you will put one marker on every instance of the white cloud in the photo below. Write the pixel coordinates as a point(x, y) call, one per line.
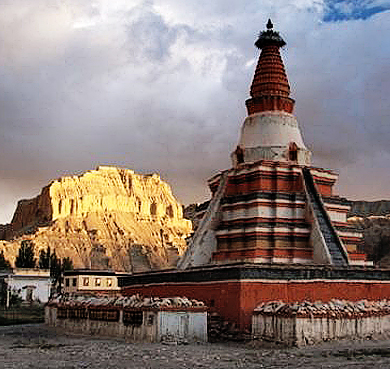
point(161, 86)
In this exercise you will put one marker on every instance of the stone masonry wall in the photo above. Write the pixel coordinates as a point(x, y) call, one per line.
point(309, 323)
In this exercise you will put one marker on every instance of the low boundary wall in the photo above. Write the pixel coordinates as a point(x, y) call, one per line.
point(310, 323)
point(308, 331)
point(134, 325)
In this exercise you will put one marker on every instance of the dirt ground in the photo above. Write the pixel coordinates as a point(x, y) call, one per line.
point(37, 346)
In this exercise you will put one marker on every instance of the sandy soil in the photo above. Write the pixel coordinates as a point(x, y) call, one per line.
point(37, 346)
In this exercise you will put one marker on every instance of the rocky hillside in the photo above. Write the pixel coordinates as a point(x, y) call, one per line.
point(372, 218)
point(369, 208)
point(376, 237)
point(105, 218)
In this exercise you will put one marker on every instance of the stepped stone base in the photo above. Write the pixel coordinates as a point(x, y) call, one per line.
point(282, 212)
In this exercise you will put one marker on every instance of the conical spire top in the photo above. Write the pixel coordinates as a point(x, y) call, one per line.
point(269, 37)
point(270, 89)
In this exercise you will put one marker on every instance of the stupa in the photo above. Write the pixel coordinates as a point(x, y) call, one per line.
point(274, 229)
point(273, 206)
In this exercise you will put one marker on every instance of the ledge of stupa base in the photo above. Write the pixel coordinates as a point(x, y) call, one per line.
point(259, 271)
point(283, 262)
point(278, 154)
point(329, 175)
point(269, 163)
point(266, 261)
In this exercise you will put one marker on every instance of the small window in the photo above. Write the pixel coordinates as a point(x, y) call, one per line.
point(139, 204)
point(239, 154)
point(66, 282)
point(98, 281)
point(74, 282)
point(109, 282)
point(150, 319)
point(134, 318)
point(62, 313)
point(293, 151)
point(153, 209)
point(29, 293)
point(169, 211)
point(77, 313)
point(98, 314)
point(85, 281)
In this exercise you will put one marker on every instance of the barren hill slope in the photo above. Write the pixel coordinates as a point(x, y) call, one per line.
point(372, 218)
point(109, 217)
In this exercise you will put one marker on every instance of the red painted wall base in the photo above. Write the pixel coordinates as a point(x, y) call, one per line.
point(235, 300)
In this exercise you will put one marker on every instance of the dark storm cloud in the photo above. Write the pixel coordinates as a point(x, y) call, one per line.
point(160, 87)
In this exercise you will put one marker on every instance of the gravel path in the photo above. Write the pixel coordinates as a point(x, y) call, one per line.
point(37, 346)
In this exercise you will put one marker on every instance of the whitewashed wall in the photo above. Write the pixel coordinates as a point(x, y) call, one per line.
point(157, 326)
point(182, 325)
point(303, 331)
point(40, 287)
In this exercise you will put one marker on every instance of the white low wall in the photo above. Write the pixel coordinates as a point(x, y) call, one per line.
point(298, 331)
point(153, 326)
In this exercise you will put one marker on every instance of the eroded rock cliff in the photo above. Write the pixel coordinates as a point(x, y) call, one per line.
point(109, 217)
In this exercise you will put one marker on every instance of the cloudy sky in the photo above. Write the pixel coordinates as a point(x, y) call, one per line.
point(160, 86)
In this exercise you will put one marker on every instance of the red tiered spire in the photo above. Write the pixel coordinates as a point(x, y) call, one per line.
point(270, 89)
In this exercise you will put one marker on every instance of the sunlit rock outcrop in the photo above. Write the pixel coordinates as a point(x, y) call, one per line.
point(109, 217)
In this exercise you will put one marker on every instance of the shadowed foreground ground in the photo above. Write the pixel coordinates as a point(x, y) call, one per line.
point(36, 346)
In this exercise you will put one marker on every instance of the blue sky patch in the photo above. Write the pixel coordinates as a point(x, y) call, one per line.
point(341, 10)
